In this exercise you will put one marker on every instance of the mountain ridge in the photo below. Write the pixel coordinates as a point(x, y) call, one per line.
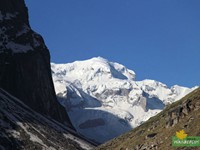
point(91, 92)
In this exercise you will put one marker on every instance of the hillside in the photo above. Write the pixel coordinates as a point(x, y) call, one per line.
point(157, 132)
point(23, 128)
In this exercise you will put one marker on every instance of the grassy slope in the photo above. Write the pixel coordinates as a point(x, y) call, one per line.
point(137, 138)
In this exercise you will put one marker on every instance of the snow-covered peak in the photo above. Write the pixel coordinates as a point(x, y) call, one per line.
point(150, 83)
point(103, 99)
point(180, 90)
point(96, 68)
point(161, 91)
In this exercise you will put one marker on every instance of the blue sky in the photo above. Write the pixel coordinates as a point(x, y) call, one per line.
point(157, 39)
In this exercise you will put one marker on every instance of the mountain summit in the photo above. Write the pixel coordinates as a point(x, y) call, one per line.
point(103, 99)
point(96, 67)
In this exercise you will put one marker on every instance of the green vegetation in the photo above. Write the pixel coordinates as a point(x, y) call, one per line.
point(157, 132)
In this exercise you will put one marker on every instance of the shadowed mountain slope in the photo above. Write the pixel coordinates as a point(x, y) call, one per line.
point(23, 128)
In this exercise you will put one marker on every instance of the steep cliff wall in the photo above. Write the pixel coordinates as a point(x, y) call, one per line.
point(25, 62)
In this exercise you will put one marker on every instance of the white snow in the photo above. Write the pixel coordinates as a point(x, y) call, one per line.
point(33, 137)
point(99, 90)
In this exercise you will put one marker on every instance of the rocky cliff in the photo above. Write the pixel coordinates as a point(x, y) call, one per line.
point(25, 62)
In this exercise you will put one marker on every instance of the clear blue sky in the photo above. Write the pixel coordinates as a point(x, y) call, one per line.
point(158, 39)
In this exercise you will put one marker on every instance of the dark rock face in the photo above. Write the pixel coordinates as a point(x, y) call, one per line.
point(175, 115)
point(25, 62)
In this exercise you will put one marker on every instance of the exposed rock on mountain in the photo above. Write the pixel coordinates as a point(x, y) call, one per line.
point(23, 128)
point(25, 62)
point(104, 100)
point(176, 114)
point(157, 132)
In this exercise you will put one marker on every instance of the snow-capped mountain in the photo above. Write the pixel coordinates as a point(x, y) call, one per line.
point(103, 99)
